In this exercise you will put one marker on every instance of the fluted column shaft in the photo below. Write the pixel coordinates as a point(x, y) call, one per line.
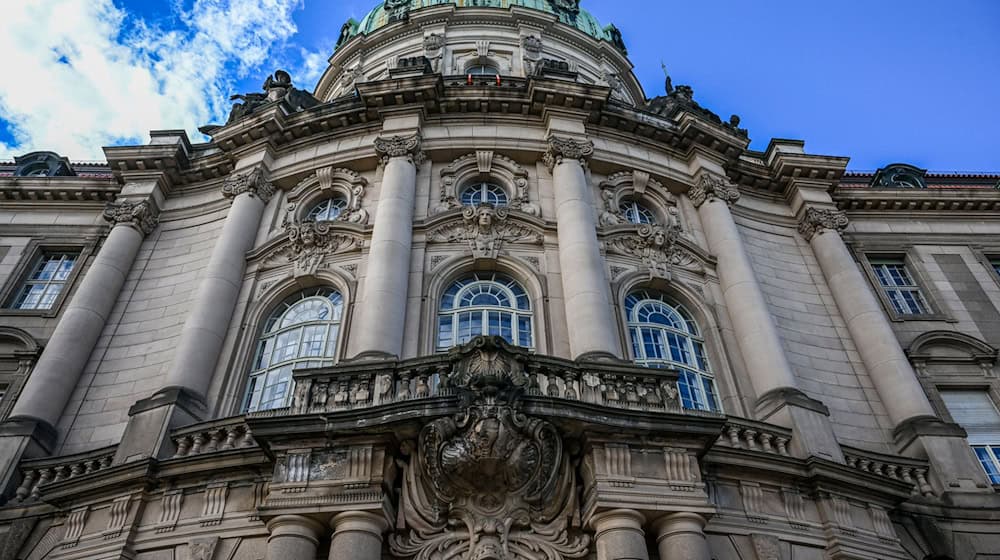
point(215, 301)
point(66, 354)
point(618, 535)
point(293, 537)
point(381, 319)
point(357, 535)
point(754, 327)
point(681, 536)
point(590, 322)
point(890, 371)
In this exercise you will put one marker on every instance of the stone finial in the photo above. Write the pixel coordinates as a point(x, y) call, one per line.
point(400, 146)
point(711, 187)
point(561, 147)
point(252, 182)
point(139, 215)
point(819, 220)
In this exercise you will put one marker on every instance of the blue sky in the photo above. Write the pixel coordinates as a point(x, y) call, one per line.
point(880, 81)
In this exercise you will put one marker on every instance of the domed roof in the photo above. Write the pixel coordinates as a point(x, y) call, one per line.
point(568, 11)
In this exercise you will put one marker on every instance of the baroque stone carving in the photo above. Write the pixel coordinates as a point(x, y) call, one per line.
point(561, 148)
point(481, 166)
point(399, 146)
point(310, 242)
point(900, 175)
point(203, 548)
point(531, 53)
point(139, 215)
point(252, 182)
point(819, 220)
point(712, 187)
point(681, 99)
point(277, 87)
point(434, 50)
point(331, 182)
point(485, 229)
point(619, 186)
point(766, 547)
point(489, 483)
point(657, 247)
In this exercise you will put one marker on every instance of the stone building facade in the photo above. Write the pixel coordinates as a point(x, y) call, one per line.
point(477, 297)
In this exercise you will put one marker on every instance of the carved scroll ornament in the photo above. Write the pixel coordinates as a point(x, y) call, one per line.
point(561, 148)
point(485, 229)
point(819, 220)
point(400, 146)
point(252, 182)
point(139, 215)
point(490, 483)
point(712, 187)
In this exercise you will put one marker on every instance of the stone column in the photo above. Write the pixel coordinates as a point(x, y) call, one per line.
point(357, 535)
point(890, 371)
point(58, 369)
point(379, 319)
point(618, 535)
point(586, 291)
point(681, 536)
point(293, 537)
point(205, 328)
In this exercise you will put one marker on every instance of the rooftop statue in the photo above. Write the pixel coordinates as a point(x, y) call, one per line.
point(277, 87)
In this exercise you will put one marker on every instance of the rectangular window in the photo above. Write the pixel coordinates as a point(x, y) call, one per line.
point(4, 387)
point(995, 263)
point(45, 281)
point(899, 286)
point(975, 411)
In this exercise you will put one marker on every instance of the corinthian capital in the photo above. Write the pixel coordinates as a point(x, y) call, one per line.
point(252, 182)
point(561, 148)
point(138, 215)
point(818, 220)
point(399, 146)
point(711, 187)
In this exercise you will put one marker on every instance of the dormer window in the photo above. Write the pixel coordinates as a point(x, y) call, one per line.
point(484, 193)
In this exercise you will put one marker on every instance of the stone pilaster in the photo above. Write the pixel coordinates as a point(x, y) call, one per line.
point(357, 535)
point(618, 535)
point(586, 293)
point(379, 328)
point(681, 536)
point(779, 399)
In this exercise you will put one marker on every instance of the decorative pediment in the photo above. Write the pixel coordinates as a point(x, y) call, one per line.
point(485, 166)
point(489, 482)
point(485, 230)
point(329, 182)
point(661, 249)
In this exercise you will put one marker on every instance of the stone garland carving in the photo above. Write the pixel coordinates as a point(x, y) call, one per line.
point(490, 482)
point(485, 229)
point(656, 247)
point(711, 187)
point(561, 148)
point(310, 242)
point(252, 182)
point(400, 146)
point(820, 220)
point(139, 215)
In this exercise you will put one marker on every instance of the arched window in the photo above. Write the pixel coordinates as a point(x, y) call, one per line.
point(327, 210)
point(636, 213)
point(663, 335)
point(485, 304)
point(301, 332)
point(483, 70)
point(484, 193)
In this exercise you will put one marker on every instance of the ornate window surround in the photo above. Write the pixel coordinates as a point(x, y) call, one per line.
point(29, 256)
point(485, 166)
point(500, 283)
point(865, 252)
point(16, 364)
point(324, 183)
point(640, 187)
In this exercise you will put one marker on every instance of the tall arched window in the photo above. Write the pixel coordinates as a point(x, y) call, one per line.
point(301, 332)
point(663, 335)
point(485, 303)
point(484, 193)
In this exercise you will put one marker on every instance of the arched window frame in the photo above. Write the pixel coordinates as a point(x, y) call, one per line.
point(451, 313)
point(636, 187)
point(257, 371)
point(325, 184)
point(483, 192)
point(683, 347)
point(485, 166)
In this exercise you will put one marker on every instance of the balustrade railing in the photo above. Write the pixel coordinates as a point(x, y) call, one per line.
point(910, 471)
point(38, 473)
point(220, 435)
point(740, 433)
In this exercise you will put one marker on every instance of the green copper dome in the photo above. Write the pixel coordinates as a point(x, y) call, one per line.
point(568, 11)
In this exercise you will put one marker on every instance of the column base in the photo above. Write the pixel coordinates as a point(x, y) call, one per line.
point(22, 438)
point(150, 421)
point(808, 418)
point(954, 466)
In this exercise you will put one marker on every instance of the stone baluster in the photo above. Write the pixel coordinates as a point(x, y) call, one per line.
point(293, 537)
point(586, 293)
point(68, 349)
point(618, 535)
point(357, 535)
point(379, 330)
point(681, 536)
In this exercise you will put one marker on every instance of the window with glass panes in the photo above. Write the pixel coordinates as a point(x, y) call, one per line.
point(636, 213)
point(899, 286)
point(45, 281)
point(976, 412)
point(327, 210)
point(663, 335)
point(995, 263)
point(301, 333)
point(485, 304)
point(483, 70)
point(484, 193)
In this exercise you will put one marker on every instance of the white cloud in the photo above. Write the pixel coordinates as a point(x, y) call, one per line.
point(82, 74)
